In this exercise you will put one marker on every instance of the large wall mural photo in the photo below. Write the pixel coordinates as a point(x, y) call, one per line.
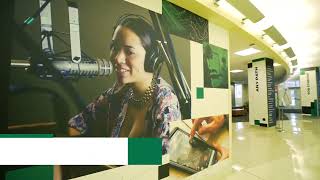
point(120, 69)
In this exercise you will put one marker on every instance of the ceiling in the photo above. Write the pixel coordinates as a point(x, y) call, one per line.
point(296, 20)
point(240, 39)
point(299, 22)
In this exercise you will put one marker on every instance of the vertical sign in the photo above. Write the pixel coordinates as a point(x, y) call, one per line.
point(250, 97)
point(309, 83)
point(271, 93)
point(318, 90)
point(261, 92)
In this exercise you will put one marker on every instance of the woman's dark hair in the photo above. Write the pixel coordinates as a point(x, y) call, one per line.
point(140, 26)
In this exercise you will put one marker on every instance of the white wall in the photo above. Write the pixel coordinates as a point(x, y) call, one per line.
point(219, 100)
point(216, 100)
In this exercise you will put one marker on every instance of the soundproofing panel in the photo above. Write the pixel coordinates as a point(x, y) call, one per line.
point(289, 52)
point(294, 62)
point(275, 35)
point(247, 9)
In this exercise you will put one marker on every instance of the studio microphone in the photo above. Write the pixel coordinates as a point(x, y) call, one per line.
point(69, 69)
point(85, 68)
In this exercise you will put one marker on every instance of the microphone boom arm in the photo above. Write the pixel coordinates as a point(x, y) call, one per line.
point(177, 78)
point(171, 69)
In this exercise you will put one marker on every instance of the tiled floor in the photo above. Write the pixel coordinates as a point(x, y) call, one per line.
point(266, 153)
point(259, 153)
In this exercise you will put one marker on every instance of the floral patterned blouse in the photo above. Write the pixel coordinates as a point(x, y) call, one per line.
point(164, 109)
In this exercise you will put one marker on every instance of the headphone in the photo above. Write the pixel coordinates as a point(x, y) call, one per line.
point(152, 54)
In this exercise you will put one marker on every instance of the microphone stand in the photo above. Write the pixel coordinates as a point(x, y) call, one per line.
point(40, 64)
point(40, 61)
point(178, 80)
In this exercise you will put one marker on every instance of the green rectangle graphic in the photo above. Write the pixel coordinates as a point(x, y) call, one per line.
point(144, 151)
point(33, 172)
point(200, 93)
point(26, 135)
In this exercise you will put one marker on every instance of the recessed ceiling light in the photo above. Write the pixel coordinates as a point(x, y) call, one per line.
point(236, 71)
point(276, 64)
point(247, 52)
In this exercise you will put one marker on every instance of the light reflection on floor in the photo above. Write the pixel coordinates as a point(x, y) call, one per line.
point(266, 153)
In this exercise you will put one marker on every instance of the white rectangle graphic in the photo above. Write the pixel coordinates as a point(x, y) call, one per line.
point(63, 151)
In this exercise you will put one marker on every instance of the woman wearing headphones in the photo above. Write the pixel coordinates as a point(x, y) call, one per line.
point(140, 104)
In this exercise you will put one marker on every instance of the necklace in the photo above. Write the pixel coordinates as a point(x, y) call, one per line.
point(140, 102)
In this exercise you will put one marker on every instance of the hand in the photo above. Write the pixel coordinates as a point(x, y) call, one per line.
point(224, 152)
point(213, 124)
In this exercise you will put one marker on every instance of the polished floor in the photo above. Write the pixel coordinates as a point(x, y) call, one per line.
point(258, 153)
point(292, 152)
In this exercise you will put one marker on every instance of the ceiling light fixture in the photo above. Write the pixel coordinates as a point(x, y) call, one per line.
point(276, 64)
point(289, 52)
point(247, 9)
point(294, 62)
point(247, 52)
point(275, 35)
